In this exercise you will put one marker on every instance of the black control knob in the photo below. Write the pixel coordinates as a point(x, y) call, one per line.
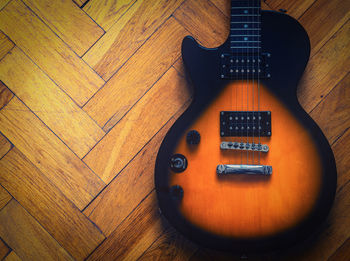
point(176, 192)
point(178, 163)
point(193, 137)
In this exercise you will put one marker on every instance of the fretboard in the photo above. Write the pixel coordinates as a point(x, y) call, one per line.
point(245, 26)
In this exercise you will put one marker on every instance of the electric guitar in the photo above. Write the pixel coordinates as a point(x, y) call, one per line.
point(245, 168)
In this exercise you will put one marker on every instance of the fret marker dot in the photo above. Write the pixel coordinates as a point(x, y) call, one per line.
point(246, 11)
point(245, 26)
point(245, 38)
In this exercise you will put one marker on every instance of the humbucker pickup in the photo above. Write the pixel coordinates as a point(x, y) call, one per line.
point(245, 123)
point(243, 67)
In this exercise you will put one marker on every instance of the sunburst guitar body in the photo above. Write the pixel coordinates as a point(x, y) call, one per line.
point(245, 168)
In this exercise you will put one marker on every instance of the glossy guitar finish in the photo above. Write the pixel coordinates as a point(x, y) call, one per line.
point(248, 212)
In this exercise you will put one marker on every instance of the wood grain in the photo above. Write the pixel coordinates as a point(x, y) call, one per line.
point(26, 237)
point(170, 246)
point(204, 21)
point(5, 45)
point(62, 115)
point(106, 12)
point(127, 138)
point(12, 257)
point(342, 159)
point(5, 146)
point(116, 202)
point(49, 52)
point(128, 34)
point(5, 95)
point(325, 69)
point(337, 228)
point(333, 113)
point(294, 8)
point(342, 253)
point(323, 20)
point(139, 103)
point(49, 154)
point(4, 250)
point(48, 205)
point(69, 22)
point(137, 76)
point(5, 198)
point(80, 2)
point(134, 235)
point(3, 3)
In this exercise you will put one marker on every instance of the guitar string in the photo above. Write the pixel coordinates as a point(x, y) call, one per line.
point(259, 33)
point(253, 82)
point(246, 71)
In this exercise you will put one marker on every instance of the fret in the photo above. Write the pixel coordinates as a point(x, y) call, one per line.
point(245, 22)
point(245, 47)
point(245, 38)
point(245, 15)
point(245, 26)
point(245, 29)
point(243, 4)
point(245, 44)
point(244, 7)
point(245, 41)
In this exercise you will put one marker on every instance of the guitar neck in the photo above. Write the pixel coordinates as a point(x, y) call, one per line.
point(245, 31)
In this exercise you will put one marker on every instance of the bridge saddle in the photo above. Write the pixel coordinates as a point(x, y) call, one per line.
point(228, 145)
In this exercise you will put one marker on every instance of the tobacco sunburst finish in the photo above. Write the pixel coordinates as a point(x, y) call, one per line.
point(248, 212)
point(249, 206)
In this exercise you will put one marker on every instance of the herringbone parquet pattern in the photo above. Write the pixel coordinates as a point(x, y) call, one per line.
point(88, 91)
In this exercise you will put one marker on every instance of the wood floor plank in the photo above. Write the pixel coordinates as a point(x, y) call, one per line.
point(5, 45)
point(341, 154)
point(204, 21)
point(116, 202)
point(5, 198)
point(49, 52)
point(120, 145)
point(80, 3)
point(337, 228)
point(342, 253)
point(12, 257)
point(294, 8)
point(26, 237)
point(106, 12)
point(336, 107)
point(137, 76)
point(134, 235)
point(323, 20)
point(49, 154)
point(5, 95)
point(72, 229)
point(5, 146)
point(62, 115)
point(3, 3)
point(128, 34)
point(325, 69)
point(4, 250)
point(69, 22)
point(170, 246)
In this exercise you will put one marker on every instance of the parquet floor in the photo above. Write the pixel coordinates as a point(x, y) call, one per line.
point(88, 91)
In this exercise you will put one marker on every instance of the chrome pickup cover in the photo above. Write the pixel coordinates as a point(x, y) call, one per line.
point(228, 145)
point(244, 169)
